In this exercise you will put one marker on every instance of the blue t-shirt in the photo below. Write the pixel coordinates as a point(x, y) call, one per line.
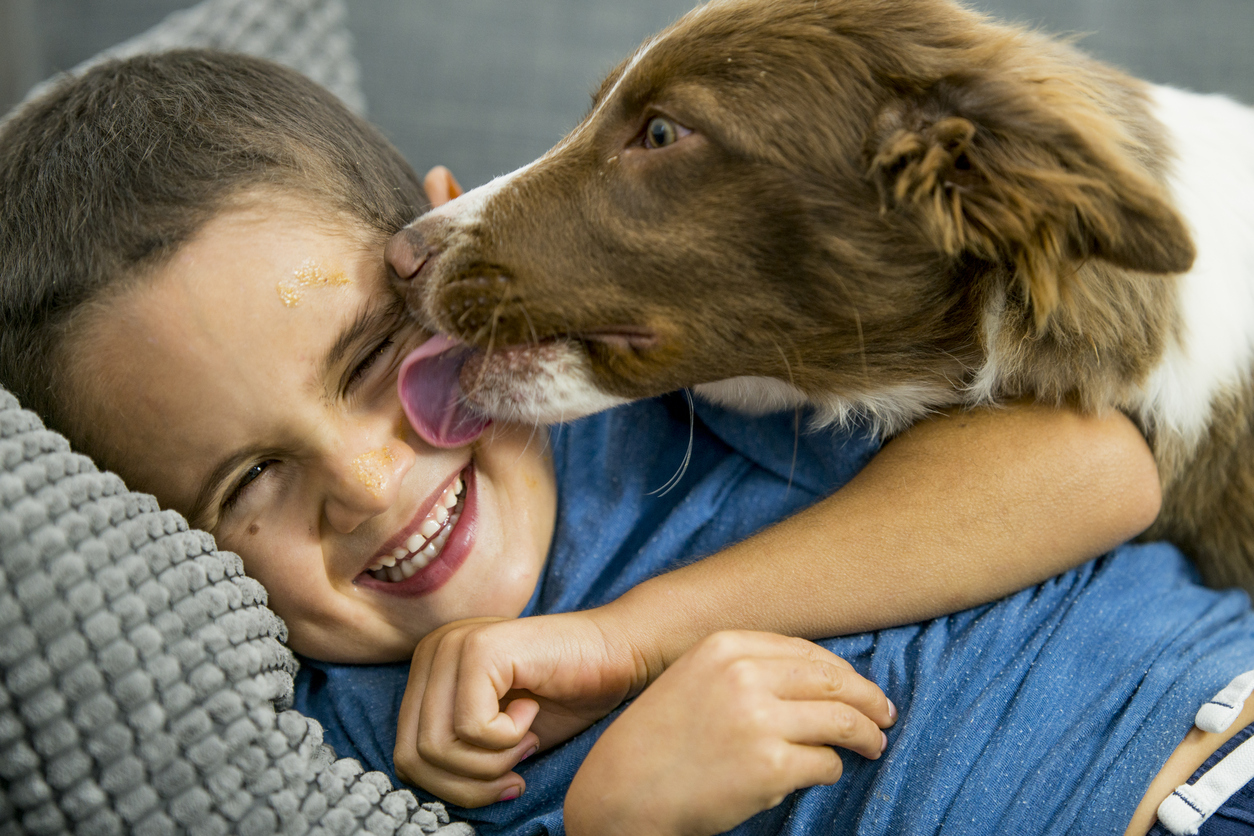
point(1047, 712)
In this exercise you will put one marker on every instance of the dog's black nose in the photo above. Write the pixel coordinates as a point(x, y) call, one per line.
point(406, 254)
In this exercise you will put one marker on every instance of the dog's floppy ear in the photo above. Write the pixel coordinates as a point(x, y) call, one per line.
point(1014, 176)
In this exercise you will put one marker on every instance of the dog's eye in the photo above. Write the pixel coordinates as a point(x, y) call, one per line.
point(661, 132)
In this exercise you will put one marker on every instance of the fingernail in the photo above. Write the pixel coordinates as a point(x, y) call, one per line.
point(510, 794)
point(892, 711)
point(883, 742)
point(530, 752)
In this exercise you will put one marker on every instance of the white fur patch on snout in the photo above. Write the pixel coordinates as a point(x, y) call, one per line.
point(468, 209)
point(545, 384)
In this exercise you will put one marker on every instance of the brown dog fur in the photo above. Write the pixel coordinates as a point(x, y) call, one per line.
point(876, 198)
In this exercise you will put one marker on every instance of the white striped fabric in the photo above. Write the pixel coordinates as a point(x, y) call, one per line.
point(1190, 805)
point(1188, 808)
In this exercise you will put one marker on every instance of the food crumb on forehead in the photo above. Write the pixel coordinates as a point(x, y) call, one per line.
point(308, 274)
point(372, 469)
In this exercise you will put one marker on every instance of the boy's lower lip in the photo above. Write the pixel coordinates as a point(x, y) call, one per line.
point(445, 564)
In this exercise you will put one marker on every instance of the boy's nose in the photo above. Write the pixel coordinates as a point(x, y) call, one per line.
point(365, 485)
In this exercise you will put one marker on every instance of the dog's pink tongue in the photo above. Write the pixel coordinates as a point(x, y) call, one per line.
point(432, 397)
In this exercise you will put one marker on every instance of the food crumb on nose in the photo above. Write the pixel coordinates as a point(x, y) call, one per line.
point(308, 274)
point(372, 469)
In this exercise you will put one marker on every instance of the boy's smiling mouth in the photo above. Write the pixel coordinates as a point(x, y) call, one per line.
point(427, 540)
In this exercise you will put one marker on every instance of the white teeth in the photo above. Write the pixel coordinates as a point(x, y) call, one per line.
point(423, 545)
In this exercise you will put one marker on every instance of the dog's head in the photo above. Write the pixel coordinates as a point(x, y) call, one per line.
point(824, 192)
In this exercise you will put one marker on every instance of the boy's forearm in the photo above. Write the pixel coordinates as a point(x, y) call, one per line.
point(958, 511)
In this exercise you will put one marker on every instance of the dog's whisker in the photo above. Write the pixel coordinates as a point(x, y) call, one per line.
point(535, 430)
point(796, 445)
point(487, 352)
point(796, 363)
point(672, 482)
point(857, 321)
point(531, 326)
point(796, 416)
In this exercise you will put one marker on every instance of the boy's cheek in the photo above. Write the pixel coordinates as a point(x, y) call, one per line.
point(294, 577)
point(524, 468)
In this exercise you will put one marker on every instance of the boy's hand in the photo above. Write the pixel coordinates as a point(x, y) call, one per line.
point(485, 693)
point(737, 723)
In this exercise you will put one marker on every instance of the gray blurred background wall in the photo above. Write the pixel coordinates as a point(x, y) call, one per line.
point(485, 85)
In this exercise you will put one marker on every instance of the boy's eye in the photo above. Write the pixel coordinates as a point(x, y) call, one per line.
point(360, 370)
point(247, 479)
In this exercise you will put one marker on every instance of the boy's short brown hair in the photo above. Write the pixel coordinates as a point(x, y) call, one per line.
point(106, 175)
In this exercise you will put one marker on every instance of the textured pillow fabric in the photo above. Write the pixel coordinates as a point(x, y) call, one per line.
point(142, 676)
point(140, 671)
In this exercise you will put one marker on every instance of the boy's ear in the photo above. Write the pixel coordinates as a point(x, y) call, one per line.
point(440, 185)
point(1015, 176)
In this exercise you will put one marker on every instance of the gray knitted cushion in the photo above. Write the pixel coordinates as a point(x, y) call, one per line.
point(140, 671)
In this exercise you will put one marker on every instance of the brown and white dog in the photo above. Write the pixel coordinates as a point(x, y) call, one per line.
point(881, 208)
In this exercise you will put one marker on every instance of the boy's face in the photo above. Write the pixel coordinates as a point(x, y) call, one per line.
point(251, 384)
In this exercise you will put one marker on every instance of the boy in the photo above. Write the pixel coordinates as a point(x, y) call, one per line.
point(193, 249)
